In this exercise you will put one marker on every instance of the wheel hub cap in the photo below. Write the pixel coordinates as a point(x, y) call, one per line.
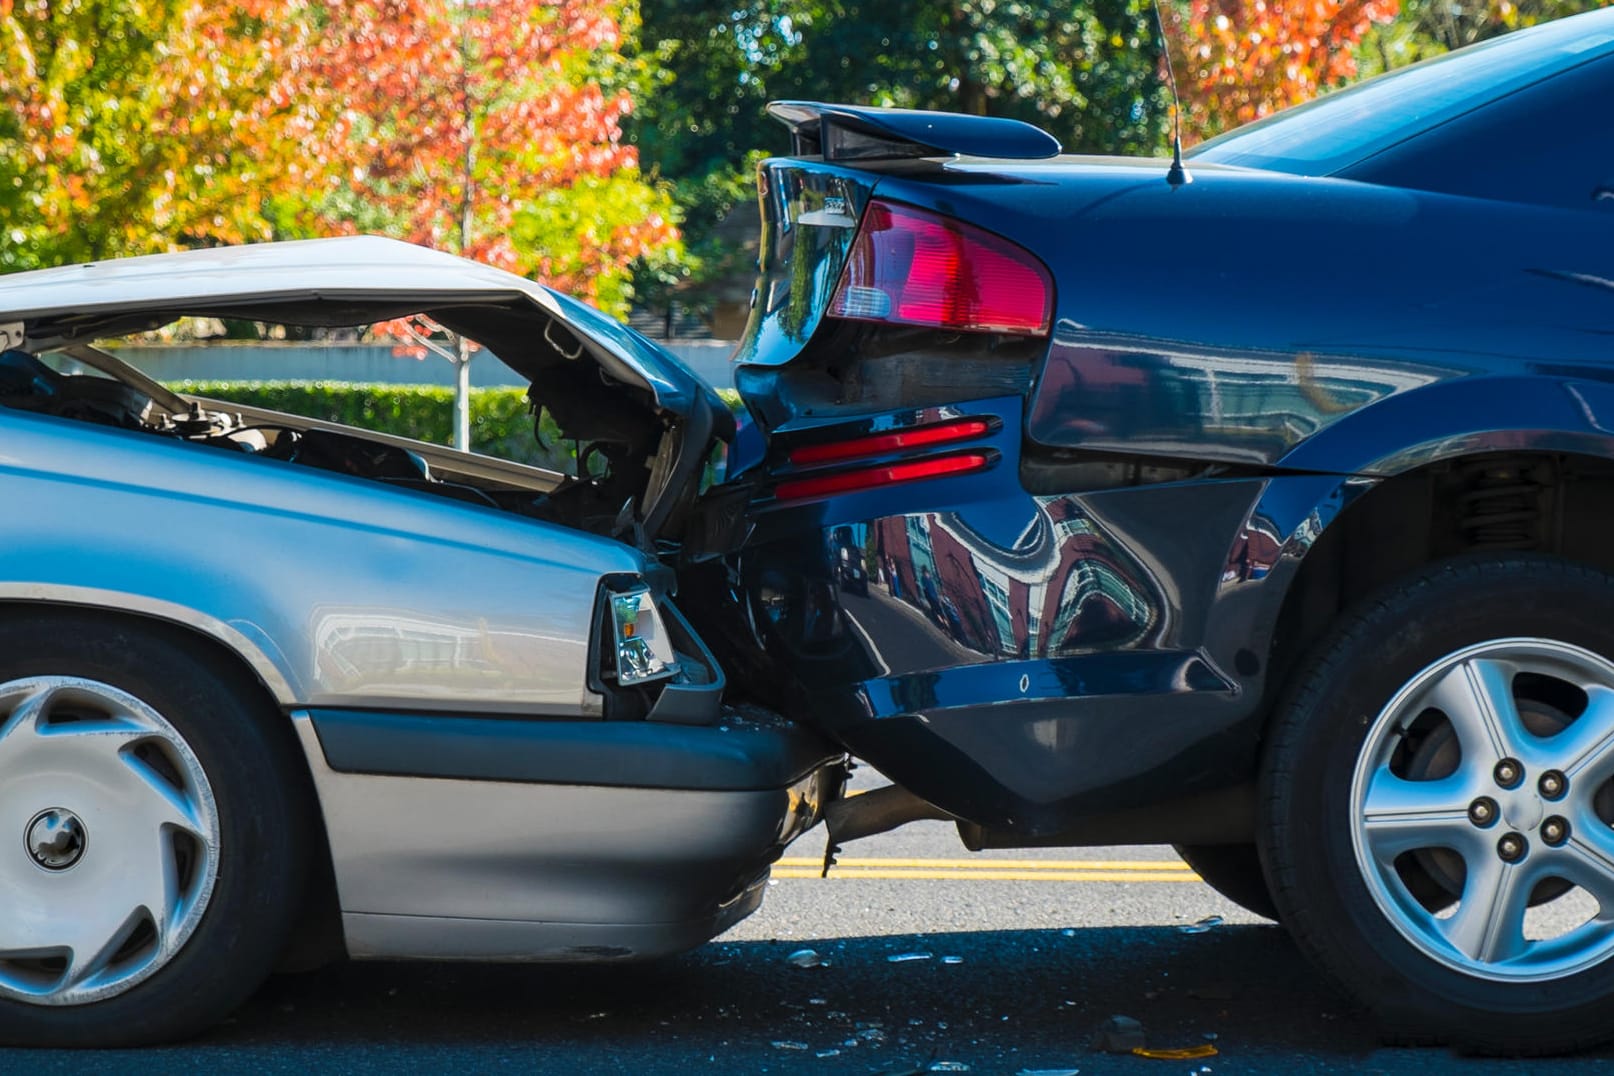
point(1533, 725)
point(56, 839)
point(77, 928)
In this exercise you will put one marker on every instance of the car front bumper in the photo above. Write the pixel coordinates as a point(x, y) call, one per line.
point(538, 840)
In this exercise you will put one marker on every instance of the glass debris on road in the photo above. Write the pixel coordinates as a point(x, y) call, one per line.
point(1204, 926)
point(905, 958)
point(1119, 1035)
point(805, 958)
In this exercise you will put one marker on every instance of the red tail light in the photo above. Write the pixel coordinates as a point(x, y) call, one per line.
point(880, 444)
point(875, 477)
point(913, 267)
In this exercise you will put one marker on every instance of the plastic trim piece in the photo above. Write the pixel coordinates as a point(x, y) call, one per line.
point(854, 132)
point(737, 757)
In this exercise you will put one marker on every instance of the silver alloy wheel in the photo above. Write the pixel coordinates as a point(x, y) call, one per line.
point(1518, 808)
point(108, 841)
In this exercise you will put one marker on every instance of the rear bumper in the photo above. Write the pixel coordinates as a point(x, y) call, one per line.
point(1026, 661)
point(468, 838)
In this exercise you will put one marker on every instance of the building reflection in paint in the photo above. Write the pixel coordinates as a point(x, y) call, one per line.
point(1062, 587)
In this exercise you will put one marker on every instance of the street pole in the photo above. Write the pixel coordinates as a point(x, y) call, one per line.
point(462, 397)
point(462, 366)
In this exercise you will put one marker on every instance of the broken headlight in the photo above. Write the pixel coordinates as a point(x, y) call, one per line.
point(640, 650)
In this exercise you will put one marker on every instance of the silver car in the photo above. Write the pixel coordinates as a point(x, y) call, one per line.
point(272, 689)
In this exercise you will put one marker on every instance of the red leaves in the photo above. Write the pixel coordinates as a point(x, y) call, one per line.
point(456, 115)
point(127, 128)
point(1244, 59)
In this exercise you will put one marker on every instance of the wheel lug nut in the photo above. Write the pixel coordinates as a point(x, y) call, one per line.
point(1482, 812)
point(1553, 784)
point(1508, 772)
point(1554, 831)
point(1511, 847)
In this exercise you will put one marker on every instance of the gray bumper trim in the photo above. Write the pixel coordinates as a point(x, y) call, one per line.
point(739, 756)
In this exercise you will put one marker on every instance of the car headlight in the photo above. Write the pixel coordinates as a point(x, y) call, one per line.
point(642, 651)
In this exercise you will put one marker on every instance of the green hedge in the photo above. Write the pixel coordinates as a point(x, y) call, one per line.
point(501, 424)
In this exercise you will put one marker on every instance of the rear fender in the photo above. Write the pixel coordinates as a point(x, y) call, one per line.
point(1461, 417)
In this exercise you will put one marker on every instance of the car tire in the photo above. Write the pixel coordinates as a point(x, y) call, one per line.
point(163, 817)
point(1234, 871)
point(1409, 788)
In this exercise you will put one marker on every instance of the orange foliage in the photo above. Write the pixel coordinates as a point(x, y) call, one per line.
point(1243, 59)
point(129, 128)
point(449, 108)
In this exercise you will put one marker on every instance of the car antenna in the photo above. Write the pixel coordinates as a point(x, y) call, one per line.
point(1176, 175)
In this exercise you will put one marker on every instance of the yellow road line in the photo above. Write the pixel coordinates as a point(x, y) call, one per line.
point(995, 876)
point(1150, 865)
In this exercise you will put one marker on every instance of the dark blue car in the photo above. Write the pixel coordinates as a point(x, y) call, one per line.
point(1268, 513)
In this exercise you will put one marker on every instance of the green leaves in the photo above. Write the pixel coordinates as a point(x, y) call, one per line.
point(487, 127)
point(133, 127)
point(1085, 72)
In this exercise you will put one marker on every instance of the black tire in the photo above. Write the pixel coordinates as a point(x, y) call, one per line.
point(260, 789)
point(1307, 823)
point(1234, 871)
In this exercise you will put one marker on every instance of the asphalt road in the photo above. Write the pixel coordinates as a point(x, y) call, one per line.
point(1040, 963)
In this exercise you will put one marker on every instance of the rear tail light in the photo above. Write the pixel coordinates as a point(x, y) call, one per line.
point(912, 267)
point(865, 478)
point(882, 444)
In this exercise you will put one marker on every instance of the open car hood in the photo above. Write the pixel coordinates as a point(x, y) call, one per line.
point(603, 383)
point(325, 282)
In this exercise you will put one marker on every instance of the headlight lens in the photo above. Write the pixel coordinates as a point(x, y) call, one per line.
point(643, 651)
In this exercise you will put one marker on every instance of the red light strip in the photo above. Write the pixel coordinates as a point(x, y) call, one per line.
point(882, 443)
point(875, 477)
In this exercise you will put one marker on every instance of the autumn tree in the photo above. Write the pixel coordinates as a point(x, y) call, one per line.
point(490, 128)
point(487, 127)
point(131, 128)
point(1239, 60)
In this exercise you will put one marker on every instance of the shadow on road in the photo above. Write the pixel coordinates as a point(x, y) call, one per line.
point(1018, 999)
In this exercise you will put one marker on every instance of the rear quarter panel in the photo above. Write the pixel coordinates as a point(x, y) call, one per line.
point(338, 591)
point(1234, 318)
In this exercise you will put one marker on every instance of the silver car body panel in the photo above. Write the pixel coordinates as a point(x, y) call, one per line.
point(352, 269)
point(340, 591)
point(255, 652)
point(502, 870)
point(350, 594)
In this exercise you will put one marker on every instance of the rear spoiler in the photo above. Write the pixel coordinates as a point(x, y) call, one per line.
point(858, 133)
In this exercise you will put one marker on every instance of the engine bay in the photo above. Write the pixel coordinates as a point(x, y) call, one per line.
point(601, 498)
